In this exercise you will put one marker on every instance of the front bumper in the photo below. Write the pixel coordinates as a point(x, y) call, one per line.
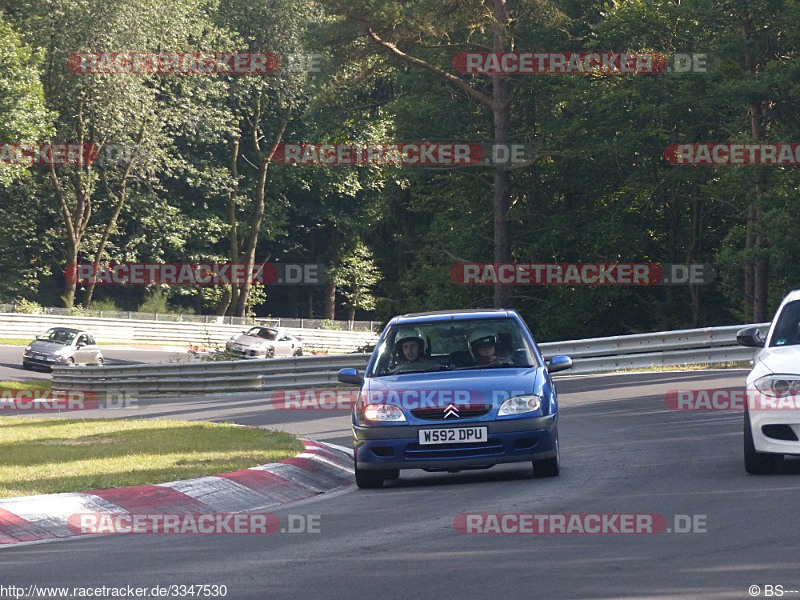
point(248, 352)
point(776, 431)
point(41, 360)
point(509, 440)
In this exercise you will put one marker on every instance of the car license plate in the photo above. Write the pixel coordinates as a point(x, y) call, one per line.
point(453, 435)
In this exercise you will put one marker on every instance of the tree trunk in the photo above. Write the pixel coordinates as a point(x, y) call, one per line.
point(249, 244)
point(756, 269)
point(502, 177)
point(330, 300)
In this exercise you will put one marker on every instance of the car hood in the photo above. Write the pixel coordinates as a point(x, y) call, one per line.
point(250, 340)
point(780, 359)
point(489, 386)
point(44, 346)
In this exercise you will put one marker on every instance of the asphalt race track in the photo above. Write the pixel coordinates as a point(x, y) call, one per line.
point(623, 452)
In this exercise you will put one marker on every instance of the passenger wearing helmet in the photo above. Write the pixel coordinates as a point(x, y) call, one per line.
point(483, 344)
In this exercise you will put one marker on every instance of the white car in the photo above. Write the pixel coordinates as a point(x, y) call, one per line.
point(62, 346)
point(772, 414)
point(264, 342)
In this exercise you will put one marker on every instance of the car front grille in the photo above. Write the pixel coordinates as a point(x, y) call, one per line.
point(438, 414)
point(492, 447)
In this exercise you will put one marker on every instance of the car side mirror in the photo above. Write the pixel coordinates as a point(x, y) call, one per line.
point(750, 337)
point(81, 345)
point(559, 363)
point(350, 376)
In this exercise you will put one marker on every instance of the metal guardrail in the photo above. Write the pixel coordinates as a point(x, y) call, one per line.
point(28, 326)
point(300, 323)
point(208, 377)
point(695, 346)
point(661, 349)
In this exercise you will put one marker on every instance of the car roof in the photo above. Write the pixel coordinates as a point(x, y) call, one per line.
point(454, 315)
point(791, 297)
point(68, 329)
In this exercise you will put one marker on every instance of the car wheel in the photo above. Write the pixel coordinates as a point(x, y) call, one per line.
point(370, 480)
point(100, 362)
point(548, 467)
point(270, 353)
point(757, 463)
point(299, 352)
point(70, 362)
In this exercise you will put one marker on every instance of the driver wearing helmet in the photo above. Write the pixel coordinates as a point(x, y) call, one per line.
point(483, 345)
point(409, 348)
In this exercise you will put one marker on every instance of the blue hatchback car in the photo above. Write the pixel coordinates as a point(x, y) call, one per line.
point(455, 390)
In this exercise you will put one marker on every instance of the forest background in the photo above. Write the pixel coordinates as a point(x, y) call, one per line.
point(205, 186)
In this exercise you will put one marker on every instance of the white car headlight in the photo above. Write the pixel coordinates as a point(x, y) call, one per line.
point(518, 405)
point(777, 385)
point(383, 412)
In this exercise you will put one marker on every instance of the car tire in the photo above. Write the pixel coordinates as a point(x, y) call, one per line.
point(270, 353)
point(70, 362)
point(299, 352)
point(100, 362)
point(370, 480)
point(548, 467)
point(758, 463)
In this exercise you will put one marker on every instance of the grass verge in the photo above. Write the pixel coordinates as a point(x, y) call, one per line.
point(46, 456)
point(26, 384)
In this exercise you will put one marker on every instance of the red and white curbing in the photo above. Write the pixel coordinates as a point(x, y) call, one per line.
point(320, 468)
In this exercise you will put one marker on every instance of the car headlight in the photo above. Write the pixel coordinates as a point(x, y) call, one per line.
point(777, 385)
point(27, 349)
point(518, 405)
point(383, 412)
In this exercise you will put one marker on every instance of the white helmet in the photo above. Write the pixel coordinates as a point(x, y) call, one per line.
point(481, 337)
point(407, 335)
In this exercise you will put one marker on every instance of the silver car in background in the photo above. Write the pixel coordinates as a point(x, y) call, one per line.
point(264, 342)
point(60, 346)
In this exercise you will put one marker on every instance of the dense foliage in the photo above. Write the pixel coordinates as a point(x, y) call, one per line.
point(597, 187)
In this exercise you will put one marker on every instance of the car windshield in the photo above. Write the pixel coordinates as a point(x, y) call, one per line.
point(262, 332)
point(453, 345)
point(787, 328)
point(60, 336)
